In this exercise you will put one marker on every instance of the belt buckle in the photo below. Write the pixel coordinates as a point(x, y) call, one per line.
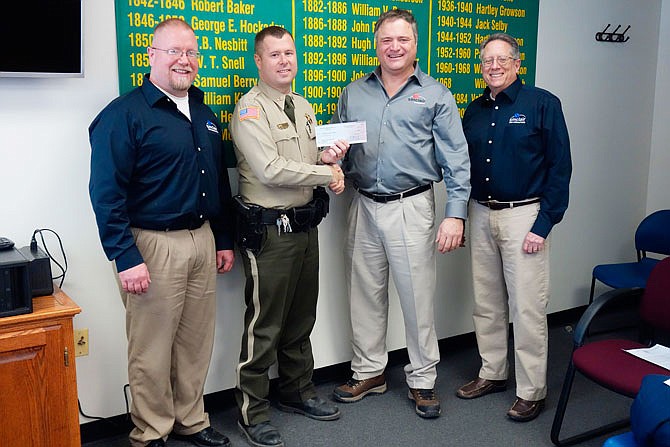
point(504, 205)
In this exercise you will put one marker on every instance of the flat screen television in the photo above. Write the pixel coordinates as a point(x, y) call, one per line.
point(43, 38)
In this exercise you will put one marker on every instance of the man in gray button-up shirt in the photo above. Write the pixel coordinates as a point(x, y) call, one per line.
point(415, 138)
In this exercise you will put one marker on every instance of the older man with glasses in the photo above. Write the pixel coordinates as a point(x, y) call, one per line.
point(520, 158)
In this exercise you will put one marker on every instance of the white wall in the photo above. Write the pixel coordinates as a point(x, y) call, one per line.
point(608, 93)
point(659, 178)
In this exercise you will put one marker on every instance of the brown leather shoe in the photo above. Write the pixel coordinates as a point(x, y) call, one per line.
point(481, 387)
point(355, 390)
point(525, 410)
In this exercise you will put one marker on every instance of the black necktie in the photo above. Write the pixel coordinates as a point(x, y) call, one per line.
point(289, 108)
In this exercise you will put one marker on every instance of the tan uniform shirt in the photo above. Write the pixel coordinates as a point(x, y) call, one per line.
point(277, 161)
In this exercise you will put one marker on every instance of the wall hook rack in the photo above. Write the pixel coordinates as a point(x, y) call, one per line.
point(614, 36)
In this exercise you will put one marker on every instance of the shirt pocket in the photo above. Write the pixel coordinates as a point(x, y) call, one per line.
point(413, 119)
point(525, 137)
point(285, 138)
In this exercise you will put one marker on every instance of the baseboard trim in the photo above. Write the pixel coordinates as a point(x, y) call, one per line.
point(105, 428)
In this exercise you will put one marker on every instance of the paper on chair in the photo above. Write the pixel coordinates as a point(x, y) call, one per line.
point(354, 132)
point(657, 354)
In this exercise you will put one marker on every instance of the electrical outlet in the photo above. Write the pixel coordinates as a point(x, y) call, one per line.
point(80, 342)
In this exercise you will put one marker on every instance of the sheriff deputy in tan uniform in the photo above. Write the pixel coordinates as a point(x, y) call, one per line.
point(273, 132)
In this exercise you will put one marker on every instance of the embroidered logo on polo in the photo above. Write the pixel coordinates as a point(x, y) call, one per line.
point(211, 127)
point(417, 99)
point(518, 118)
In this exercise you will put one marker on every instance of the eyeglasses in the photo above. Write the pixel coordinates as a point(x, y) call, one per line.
point(191, 54)
point(503, 61)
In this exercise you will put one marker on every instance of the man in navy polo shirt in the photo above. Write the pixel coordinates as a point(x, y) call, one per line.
point(520, 159)
point(161, 197)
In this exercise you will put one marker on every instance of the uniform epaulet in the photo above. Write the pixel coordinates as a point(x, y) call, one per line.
point(251, 95)
point(248, 106)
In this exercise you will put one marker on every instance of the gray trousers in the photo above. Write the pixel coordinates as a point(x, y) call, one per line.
point(397, 238)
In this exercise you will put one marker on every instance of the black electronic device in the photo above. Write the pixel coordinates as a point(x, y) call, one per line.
point(46, 38)
point(39, 271)
point(6, 244)
point(15, 294)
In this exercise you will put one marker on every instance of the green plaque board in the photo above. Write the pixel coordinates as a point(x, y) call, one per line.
point(334, 42)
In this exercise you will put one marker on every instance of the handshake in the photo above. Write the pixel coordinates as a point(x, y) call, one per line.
point(330, 157)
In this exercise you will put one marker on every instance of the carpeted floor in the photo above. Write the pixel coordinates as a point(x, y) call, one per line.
point(389, 419)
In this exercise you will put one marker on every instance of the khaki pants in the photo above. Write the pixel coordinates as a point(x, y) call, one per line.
point(170, 333)
point(281, 293)
point(510, 284)
point(396, 237)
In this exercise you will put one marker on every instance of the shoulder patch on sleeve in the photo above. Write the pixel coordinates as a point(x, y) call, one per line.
point(249, 112)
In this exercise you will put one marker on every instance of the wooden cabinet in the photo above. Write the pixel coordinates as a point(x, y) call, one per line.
point(38, 383)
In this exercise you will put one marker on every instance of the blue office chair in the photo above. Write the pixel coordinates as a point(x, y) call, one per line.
point(624, 440)
point(649, 416)
point(651, 236)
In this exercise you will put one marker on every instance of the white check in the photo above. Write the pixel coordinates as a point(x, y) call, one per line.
point(354, 132)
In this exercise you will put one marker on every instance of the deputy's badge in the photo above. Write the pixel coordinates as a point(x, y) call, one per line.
point(282, 126)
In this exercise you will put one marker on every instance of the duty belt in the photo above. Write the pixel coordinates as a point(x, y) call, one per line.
point(254, 218)
point(291, 220)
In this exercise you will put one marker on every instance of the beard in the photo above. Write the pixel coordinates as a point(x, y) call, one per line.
point(181, 83)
